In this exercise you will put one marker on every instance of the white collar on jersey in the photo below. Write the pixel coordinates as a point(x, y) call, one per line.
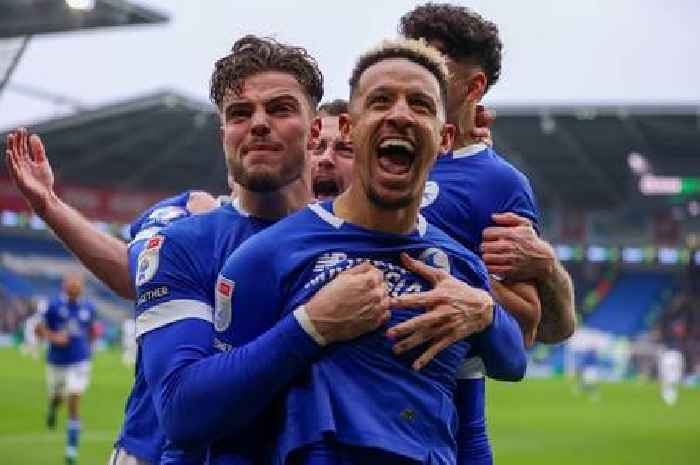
point(236, 203)
point(469, 150)
point(337, 222)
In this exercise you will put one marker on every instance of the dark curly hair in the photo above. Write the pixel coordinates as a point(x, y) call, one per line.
point(334, 108)
point(466, 35)
point(252, 54)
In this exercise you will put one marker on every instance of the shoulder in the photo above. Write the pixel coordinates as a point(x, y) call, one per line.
point(465, 263)
point(497, 168)
point(161, 213)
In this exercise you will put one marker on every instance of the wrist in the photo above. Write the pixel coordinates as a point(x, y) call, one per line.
point(45, 204)
point(304, 320)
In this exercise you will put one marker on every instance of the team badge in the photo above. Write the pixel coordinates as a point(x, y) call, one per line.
point(166, 215)
point(435, 258)
point(222, 312)
point(430, 193)
point(148, 260)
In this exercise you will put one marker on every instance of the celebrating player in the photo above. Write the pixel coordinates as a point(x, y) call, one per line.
point(69, 328)
point(360, 403)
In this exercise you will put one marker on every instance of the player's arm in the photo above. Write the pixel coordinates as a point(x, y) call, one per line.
point(473, 447)
point(513, 250)
point(101, 253)
point(231, 388)
point(523, 302)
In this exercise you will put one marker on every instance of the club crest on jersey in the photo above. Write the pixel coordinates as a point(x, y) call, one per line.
point(84, 315)
point(148, 260)
point(435, 258)
point(430, 193)
point(222, 311)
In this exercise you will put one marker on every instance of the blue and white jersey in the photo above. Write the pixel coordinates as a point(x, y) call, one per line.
point(463, 190)
point(76, 319)
point(466, 187)
point(359, 391)
point(141, 435)
point(178, 267)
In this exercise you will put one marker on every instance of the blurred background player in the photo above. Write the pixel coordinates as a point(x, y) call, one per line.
point(69, 327)
point(670, 374)
point(31, 342)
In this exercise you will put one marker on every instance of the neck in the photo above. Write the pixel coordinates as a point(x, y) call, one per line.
point(277, 204)
point(463, 136)
point(354, 207)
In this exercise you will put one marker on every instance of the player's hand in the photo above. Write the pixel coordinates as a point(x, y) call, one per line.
point(513, 250)
point(354, 303)
point(453, 311)
point(27, 164)
point(483, 120)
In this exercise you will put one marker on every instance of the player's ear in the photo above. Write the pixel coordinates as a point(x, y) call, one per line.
point(447, 137)
point(314, 133)
point(476, 86)
point(345, 124)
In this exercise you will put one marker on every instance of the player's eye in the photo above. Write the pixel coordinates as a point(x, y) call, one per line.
point(343, 149)
point(378, 101)
point(281, 109)
point(421, 105)
point(237, 114)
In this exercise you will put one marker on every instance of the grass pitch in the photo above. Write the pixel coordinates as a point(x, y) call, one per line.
point(538, 422)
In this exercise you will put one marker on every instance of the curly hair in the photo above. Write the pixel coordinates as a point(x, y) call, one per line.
point(416, 51)
point(466, 35)
point(334, 108)
point(252, 54)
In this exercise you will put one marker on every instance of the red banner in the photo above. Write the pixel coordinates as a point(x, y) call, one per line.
point(96, 204)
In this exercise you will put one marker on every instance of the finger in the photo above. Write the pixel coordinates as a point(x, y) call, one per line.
point(494, 259)
point(499, 246)
point(37, 149)
point(499, 269)
point(432, 351)
point(411, 341)
point(431, 274)
point(510, 219)
point(421, 299)
point(484, 117)
point(495, 233)
point(417, 324)
point(23, 142)
point(363, 267)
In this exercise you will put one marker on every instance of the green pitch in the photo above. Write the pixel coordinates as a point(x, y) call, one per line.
point(538, 422)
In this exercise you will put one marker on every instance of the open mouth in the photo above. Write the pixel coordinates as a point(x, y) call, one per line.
point(396, 156)
point(325, 188)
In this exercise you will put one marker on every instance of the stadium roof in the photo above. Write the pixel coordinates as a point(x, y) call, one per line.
point(31, 17)
point(574, 156)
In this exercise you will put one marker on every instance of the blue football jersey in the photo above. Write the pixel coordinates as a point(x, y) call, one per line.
point(467, 186)
point(141, 435)
point(359, 391)
point(463, 190)
point(76, 319)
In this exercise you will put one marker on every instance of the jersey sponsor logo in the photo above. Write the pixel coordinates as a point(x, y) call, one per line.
point(222, 311)
point(148, 260)
point(328, 260)
point(430, 193)
point(156, 293)
point(435, 258)
point(329, 265)
point(166, 215)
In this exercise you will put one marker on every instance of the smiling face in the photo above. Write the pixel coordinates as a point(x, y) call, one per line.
point(331, 161)
point(265, 128)
point(397, 131)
